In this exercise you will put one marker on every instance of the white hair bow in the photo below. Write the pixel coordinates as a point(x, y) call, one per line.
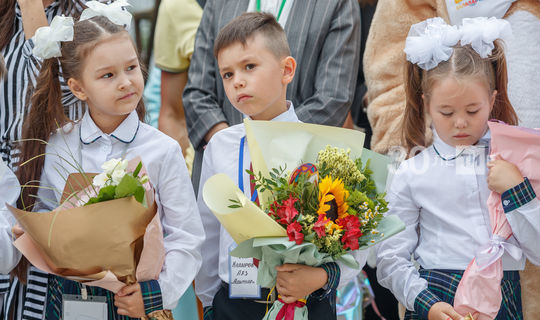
point(481, 32)
point(113, 12)
point(430, 42)
point(47, 39)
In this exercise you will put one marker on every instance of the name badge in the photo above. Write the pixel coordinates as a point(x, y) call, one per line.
point(74, 307)
point(242, 278)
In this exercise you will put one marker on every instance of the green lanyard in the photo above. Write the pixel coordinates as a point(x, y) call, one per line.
point(280, 8)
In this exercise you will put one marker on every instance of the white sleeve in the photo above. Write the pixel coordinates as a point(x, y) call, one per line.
point(207, 282)
point(395, 270)
point(525, 223)
point(9, 192)
point(182, 227)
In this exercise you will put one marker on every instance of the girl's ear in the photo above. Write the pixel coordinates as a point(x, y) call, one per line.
point(289, 68)
point(492, 100)
point(77, 89)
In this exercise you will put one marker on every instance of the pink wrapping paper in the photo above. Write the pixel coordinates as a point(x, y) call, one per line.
point(479, 291)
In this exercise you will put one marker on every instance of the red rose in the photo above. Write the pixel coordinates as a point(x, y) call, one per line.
point(293, 231)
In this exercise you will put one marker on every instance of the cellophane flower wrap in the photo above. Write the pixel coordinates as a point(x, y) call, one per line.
point(106, 231)
point(326, 205)
point(479, 291)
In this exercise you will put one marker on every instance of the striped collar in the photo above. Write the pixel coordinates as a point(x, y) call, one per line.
point(126, 131)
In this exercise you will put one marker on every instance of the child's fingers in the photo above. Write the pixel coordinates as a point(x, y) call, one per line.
point(452, 314)
point(128, 290)
point(122, 312)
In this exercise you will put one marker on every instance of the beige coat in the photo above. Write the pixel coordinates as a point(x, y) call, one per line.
point(383, 67)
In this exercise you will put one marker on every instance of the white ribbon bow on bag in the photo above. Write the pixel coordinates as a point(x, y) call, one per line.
point(113, 12)
point(494, 250)
point(47, 39)
point(430, 42)
point(481, 32)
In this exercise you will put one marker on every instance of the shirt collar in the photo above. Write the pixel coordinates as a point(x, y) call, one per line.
point(126, 131)
point(287, 116)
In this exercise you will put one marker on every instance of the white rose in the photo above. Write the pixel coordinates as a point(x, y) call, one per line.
point(117, 176)
point(109, 166)
point(100, 180)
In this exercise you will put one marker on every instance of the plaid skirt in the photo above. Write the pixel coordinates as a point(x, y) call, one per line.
point(59, 286)
point(444, 283)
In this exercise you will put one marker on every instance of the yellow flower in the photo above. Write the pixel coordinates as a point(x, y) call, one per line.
point(332, 198)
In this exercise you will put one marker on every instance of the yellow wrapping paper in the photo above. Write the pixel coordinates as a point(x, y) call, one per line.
point(107, 244)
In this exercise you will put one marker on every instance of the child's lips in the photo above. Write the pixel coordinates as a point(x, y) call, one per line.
point(461, 136)
point(127, 96)
point(243, 97)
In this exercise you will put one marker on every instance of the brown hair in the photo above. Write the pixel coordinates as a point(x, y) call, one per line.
point(464, 62)
point(47, 113)
point(7, 16)
point(2, 67)
point(245, 26)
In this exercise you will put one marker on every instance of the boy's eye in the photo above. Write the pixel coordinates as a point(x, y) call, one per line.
point(107, 75)
point(250, 66)
point(227, 75)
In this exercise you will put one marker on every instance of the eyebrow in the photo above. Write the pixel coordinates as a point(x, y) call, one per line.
point(133, 59)
point(246, 59)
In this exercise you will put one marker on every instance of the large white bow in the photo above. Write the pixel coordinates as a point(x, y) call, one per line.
point(47, 39)
point(430, 42)
point(113, 12)
point(494, 250)
point(481, 32)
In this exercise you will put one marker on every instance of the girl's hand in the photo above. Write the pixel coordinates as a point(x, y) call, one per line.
point(503, 175)
point(443, 311)
point(129, 301)
point(296, 281)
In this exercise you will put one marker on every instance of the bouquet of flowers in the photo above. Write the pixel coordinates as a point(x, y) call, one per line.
point(74, 240)
point(326, 207)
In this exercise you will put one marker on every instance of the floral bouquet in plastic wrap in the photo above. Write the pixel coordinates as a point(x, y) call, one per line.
point(330, 204)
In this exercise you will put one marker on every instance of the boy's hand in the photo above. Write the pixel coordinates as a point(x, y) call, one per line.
point(503, 175)
point(443, 311)
point(296, 281)
point(129, 301)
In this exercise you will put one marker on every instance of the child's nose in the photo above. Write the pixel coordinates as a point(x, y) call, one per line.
point(239, 83)
point(123, 82)
point(460, 123)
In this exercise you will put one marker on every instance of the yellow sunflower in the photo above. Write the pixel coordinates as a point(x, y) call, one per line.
point(332, 198)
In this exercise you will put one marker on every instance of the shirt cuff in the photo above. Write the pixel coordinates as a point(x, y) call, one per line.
point(334, 273)
point(517, 196)
point(208, 313)
point(151, 294)
point(423, 302)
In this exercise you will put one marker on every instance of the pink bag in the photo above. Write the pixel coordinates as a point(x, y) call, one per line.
point(479, 291)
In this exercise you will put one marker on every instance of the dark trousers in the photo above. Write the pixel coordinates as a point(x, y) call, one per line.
point(245, 309)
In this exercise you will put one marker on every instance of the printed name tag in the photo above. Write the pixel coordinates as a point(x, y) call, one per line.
point(242, 278)
point(74, 307)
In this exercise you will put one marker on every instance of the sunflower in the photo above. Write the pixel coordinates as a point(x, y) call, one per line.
point(332, 199)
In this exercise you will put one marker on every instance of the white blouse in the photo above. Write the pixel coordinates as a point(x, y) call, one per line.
point(168, 174)
point(443, 205)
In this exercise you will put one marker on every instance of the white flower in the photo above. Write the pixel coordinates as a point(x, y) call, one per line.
point(100, 180)
point(113, 165)
point(144, 179)
point(117, 176)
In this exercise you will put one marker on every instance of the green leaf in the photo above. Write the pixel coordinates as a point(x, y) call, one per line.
point(137, 170)
point(127, 186)
point(234, 206)
point(139, 194)
point(106, 193)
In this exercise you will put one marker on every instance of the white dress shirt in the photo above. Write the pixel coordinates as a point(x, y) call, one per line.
point(86, 144)
point(444, 207)
point(272, 6)
point(9, 192)
point(221, 156)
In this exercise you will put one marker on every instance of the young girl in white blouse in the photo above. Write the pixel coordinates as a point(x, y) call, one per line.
point(457, 78)
point(102, 69)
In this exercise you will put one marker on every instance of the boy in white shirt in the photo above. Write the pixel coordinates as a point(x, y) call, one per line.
point(255, 64)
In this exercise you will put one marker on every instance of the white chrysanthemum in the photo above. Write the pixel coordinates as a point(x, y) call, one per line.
point(100, 180)
point(117, 175)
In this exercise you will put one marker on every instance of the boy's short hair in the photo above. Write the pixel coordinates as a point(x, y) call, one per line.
point(245, 26)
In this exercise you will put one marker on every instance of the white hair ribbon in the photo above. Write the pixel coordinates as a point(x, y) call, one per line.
point(47, 39)
point(114, 12)
point(480, 33)
point(430, 42)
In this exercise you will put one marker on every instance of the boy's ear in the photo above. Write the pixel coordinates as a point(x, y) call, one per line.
point(289, 68)
point(77, 89)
